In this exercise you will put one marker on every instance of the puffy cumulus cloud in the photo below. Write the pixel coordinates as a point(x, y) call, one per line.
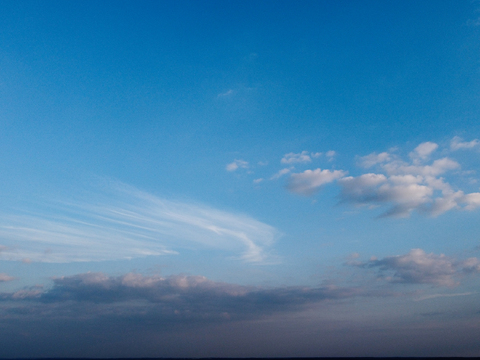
point(438, 167)
point(292, 158)
point(4, 277)
point(405, 193)
point(407, 186)
point(418, 267)
point(423, 151)
point(377, 189)
point(307, 182)
point(472, 201)
point(121, 222)
point(361, 189)
point(236, 164)
point(373, 159)
point(457, 143)
point(400, 186)
point(176, 299)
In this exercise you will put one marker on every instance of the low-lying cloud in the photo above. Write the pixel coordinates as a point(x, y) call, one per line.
point(4, 277)
point(418, 267)
point(177, 298)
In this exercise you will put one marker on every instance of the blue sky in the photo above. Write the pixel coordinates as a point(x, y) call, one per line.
point(257, 178)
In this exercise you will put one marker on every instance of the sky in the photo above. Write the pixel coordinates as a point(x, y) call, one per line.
point(239, 178)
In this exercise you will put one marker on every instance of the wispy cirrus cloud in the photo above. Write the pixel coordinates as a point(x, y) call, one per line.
point(123, 223)
point(227, 93)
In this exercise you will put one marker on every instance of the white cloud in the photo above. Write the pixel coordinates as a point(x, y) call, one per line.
point(418, 267)
point(237, 163)
point(292, 158)
point(128, 223)
point(407, 186)
point(309, 181)
point(401, 186)
point(471, 200)
point(4, 277)
point(374, 159)
point(376, 189)
point(257, 181)
point(227, 93)
point(457, 143)
point(330, 153)
point(280, 174)
point(438, 167)
point(471, 265)
point(406, 193)
point(361, 189)
point(316, 155)
point(423, 151)
point(443, 204)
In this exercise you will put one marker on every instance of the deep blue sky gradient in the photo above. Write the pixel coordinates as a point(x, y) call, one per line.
point(145, 146)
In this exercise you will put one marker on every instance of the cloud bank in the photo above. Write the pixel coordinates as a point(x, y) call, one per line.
point(175, 299)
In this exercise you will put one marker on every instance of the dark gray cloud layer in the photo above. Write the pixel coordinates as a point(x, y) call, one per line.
point(175, 298)
point(95, 315)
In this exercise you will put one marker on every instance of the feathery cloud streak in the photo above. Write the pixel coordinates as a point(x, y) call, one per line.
point(127, 223)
